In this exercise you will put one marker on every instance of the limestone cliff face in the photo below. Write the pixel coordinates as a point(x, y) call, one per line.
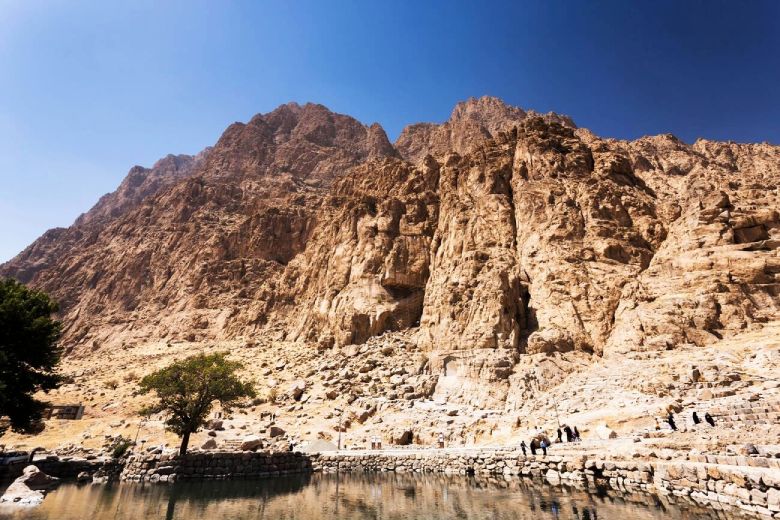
point(200, 258)
point(718, 269)
point(366, 269)
point(496, 234)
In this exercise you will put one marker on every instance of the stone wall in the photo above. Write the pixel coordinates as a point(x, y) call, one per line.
point(71, 467)
point(64, 467)
point(213, 465)
point(752, 489)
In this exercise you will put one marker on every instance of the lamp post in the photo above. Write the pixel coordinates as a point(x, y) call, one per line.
point(140, 424)
point(341, 426)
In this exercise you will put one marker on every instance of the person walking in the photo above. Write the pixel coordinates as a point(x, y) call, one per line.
point(577, 434)
point(670, 420)
point(696, 419)
point(709, 419)
point(523, 447)
point(533, 446)
point(543, 445)
point(560, 436)
point(569, 433)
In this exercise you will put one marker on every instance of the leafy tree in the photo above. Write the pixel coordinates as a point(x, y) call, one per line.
point(28, 352)
point(187, 389)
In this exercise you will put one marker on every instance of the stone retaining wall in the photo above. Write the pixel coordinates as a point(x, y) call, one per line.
point(751, 489)
point(64, 468)
point(213, 465)
point(69, 468)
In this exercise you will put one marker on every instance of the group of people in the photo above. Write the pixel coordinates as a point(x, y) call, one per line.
point(696, 420)
point(540, 441)
point(572, 434)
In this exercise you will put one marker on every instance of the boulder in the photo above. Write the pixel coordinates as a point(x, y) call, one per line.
point(747, 449)
point(210, 444)
point(215, 424)
point(18, 493)
point(251, 443)
point(553, 477)
point(36, 479)
point(297, 388)
point(275, 431)
point(30, 488)
point(604, 432)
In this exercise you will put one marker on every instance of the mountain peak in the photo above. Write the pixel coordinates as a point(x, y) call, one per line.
point(484, 109)
point(471, 121)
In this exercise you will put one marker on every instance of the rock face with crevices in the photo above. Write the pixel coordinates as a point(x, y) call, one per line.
point(201, 256)
point(496, 234)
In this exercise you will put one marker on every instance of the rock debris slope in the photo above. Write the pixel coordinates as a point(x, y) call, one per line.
point(494, 236)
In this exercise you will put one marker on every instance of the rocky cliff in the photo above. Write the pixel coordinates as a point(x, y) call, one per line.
point(496, 234)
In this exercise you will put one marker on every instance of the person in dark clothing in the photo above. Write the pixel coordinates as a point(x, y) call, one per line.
point(569, 433)
point(670, 420)
point(696, 419)
point(533, 446)
point(709, 419)
point(543, 445)
point(577, 434)
point(523, 447)
point(560, 435)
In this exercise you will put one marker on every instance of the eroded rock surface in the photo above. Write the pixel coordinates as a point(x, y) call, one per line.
point(497, 235)
point(30, 488)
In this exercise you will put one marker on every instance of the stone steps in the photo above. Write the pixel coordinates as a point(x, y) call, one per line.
point(754, 461)
point(747, 413)
point(717, 411)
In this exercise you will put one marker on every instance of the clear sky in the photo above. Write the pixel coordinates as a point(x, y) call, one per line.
point(88, 89)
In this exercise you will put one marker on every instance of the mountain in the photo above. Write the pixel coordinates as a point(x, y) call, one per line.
point(199, 236)
point(476, 261)
point(471, 121)
point(499, 230)
point(141, 183)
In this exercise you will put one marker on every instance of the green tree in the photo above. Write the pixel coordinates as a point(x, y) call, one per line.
point(187, 390)
point(28, 352)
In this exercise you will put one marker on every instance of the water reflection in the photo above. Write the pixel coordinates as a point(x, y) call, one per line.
point(349, 497)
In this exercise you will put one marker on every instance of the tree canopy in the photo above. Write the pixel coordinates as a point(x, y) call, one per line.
point(188, 389)
point(28, 352)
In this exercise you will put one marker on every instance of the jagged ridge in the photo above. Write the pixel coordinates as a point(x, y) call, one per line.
point(497, 233)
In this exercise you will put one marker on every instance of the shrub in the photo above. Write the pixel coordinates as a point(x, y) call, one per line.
point(120, 447)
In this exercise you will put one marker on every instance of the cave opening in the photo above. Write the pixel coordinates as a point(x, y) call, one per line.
point(526, 316)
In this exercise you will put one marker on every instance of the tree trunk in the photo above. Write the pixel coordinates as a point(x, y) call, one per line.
point(185, 440)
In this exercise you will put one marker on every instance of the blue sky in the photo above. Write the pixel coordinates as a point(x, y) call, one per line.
point(88, 89)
